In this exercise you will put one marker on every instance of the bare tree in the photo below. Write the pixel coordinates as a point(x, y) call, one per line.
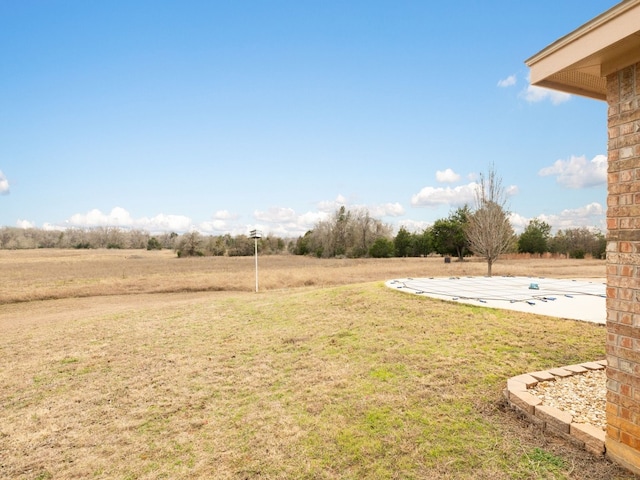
point(190, 245)
point(365, 231)
point(341, 230)
point(347, 233)
point(488, 229)
point(168, 240)
point(136, 238)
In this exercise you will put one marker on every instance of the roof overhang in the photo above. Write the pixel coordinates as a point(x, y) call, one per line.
point(579, 62)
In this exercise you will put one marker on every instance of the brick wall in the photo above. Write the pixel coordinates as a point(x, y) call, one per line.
point(623, 268)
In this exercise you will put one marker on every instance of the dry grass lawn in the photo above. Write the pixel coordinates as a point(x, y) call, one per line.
point(50, 274)
point(138, 365)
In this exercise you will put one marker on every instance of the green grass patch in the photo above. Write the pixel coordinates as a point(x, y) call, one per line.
point(544, 464)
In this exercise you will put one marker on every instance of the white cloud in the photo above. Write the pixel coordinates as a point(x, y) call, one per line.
point(511, 190)
point(457, 196)
point(577, 172)
point(507, 82)
point(222, 222)
point(215, 226)
point(592, 216)
point(4, 184)
point(447, 176)
point(518, 222)
point(452, 196)
point(329, 207)
point(332, 205)
point(386, 210)
point(165, 223)
point(285, 222)
point(280, 221)
point(25, 224)
point(276, 214)
point(51, 227)
point(533, 94)
point(414, 226)
point(119, 217)
point(309, 219)
point(225, 215)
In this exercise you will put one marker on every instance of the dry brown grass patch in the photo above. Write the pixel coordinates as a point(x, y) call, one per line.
point(52, 274)
point(355, 381)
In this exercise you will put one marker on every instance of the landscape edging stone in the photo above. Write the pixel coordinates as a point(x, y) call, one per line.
point(551, 419)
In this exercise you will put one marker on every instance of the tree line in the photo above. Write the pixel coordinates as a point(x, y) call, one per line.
point(484, 231)
point(349, 234)
point(187, 244)
point(447, 237)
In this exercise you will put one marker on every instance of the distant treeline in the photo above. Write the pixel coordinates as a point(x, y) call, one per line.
point(356, 234)
point(188, 244)
point(348, 234)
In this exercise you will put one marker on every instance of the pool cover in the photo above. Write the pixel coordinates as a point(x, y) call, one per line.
point(564, 298)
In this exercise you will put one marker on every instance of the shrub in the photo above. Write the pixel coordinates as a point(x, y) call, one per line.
point(154, 244)
point(382, 248)
point(577, 253)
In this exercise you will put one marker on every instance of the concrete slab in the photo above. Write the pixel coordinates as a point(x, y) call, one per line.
point(564, 298)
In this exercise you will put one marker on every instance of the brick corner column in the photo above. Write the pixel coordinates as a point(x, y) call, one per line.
point(623, 269)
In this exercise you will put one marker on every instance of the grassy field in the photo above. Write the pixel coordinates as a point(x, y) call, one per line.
point(138, 365)
point(49, 274)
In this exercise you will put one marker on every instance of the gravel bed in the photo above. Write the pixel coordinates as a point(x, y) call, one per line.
point(583, 395)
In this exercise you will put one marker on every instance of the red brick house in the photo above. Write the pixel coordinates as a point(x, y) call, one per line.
point(601, 60)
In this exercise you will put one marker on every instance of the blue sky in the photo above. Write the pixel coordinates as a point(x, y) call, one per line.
point(224, 116)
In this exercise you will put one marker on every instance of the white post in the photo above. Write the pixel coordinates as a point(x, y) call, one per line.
point(256, 234)
point(255, 241)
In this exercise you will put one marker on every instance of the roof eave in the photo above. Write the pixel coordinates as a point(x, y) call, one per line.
point(579, 62)
point(563, 87)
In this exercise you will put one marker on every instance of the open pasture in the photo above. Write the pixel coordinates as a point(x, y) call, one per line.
point(49, 273)
point(138, 365)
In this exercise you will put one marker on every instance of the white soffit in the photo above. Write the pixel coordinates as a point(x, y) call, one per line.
point(580, 61)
